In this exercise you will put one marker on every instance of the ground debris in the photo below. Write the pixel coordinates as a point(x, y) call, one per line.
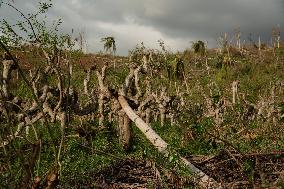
point(234, 170)
point(139, 174)
point(129, 173)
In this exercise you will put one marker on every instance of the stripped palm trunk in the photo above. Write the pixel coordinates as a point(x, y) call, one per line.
point(201, 178)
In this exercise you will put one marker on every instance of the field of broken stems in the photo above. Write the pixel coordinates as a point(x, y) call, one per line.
point(63, 124)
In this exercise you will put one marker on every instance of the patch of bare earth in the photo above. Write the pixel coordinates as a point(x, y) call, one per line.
point(138, 174)
point(235, 170)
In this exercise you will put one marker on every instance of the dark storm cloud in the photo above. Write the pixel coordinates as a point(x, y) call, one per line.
point(207, 19)
point(177, 22)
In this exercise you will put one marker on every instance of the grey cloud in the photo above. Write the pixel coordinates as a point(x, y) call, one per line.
point(175, 21)
point(202, 19)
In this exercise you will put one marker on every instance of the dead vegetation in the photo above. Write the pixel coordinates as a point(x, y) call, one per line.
point(215, 116)
point(109, 105)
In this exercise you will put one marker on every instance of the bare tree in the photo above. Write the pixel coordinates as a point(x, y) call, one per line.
point(276, 36)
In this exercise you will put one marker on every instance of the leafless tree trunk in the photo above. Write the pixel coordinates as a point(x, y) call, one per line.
point(235, 90)
point(124, 130)
point(6, 75)
point(104, 93)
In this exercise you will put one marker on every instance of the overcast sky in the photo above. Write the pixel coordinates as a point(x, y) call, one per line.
point(177, 22)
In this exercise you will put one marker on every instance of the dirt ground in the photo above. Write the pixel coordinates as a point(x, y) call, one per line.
point(230, 168)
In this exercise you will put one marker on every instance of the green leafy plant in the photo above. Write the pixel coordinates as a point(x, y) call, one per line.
point(199, 47)
point(175, 67)
point(34, 28)
point(109, 44)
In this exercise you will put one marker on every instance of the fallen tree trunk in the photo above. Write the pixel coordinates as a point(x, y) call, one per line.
point(201, 178)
